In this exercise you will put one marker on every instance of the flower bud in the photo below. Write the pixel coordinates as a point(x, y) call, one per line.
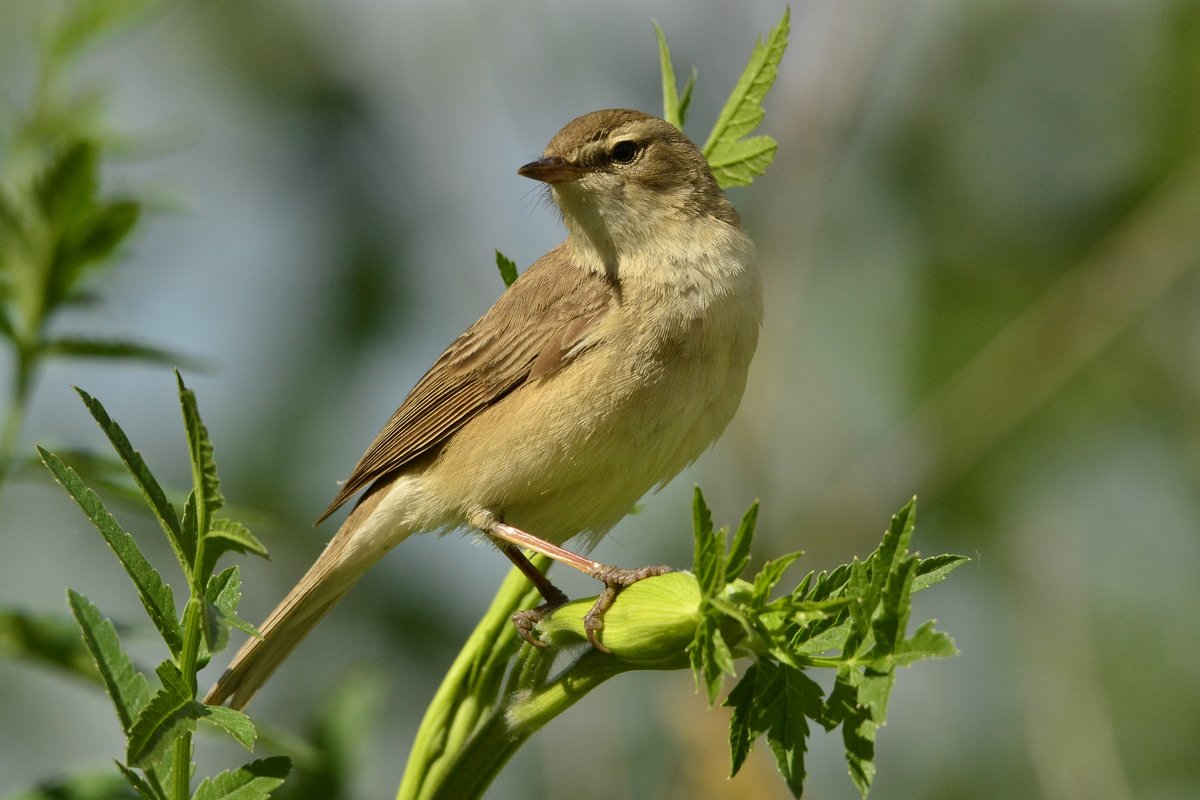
point(654, 620)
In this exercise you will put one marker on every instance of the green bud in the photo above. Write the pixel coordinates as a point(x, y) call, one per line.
point(652, 621)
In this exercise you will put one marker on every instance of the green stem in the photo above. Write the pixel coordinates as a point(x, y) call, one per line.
point(182, 766)
point(509, 725)
point(468, 691)
point(189, 656)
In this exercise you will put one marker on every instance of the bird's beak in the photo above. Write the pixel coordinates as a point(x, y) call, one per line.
point(553, 169)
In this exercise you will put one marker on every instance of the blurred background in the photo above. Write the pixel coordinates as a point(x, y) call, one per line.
point(980, 239)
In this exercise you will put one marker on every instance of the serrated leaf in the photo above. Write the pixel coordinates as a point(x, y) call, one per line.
point(787, 704)
point(226, 535)
point(739, 551)
point(235, 723)
point(145, 790)
point(125, 685)
point(49, 639)
point(249, 782)
point(710, 658)
point(891, 618)
point(934, 570)
point(222, 596)
point(674, 108)
point(204, 465)
point(171, 677)
point(167, 717)
point(708, 554)
point(924, 643)
point(770, 575)
point(775, 701)
point(739, 162)
point(507, 267)
point(742, 723)
point(156, 498)
point(156, 597)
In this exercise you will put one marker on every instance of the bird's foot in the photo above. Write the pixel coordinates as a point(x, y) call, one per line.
point(614, 579)
point(525, 621)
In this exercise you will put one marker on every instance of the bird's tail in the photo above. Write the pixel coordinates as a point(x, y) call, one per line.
point(338, 568)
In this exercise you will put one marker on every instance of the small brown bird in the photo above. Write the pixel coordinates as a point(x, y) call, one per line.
point(605, 369)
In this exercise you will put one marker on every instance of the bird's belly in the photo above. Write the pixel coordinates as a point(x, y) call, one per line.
point(579, 448)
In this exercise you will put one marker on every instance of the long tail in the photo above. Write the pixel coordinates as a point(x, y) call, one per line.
point(338, 568)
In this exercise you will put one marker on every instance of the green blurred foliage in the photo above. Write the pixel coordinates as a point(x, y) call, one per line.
point(982, 288)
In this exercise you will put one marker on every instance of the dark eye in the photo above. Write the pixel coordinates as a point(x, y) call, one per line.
point(624, 151)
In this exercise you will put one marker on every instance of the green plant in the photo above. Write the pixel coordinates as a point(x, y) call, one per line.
point(59, 233)
point(158, 724)
point(852, 619)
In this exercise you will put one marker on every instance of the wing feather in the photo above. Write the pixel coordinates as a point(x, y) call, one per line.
point(537, 326)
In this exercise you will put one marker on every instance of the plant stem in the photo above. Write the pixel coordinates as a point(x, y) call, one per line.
point(190, 654)
point(509, 725)
point(468, 690)
point(181, 768)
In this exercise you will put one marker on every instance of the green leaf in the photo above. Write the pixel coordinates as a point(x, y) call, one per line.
point(235, 723)
point(739, 551)
point(743, 723)
point(934, 570)
point(47, 639)
point(776, 701)
point(787, 703)
point(891, 618)
point(143, 787)
point(155, 596)
point(736, 162)
point(925, 643)
point(225, 535)
point(710, 658)
point(770, 575)
point(740, 162)
point(507, 267)
point(204, 466)
point(126, 686)
point(156, 498)
point(249, 782)
point(167, 717)
point(675, 105)
point(68, 186)
point(894, 546)
point(82, 347)
point(222, 596)
point(102, 230)
point(6, 327)
point(709, 556)
point(87, 22)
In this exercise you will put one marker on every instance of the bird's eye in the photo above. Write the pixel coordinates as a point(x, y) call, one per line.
point(624, 151)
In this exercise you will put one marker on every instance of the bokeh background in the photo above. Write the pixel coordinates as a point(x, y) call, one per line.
point(980, 239)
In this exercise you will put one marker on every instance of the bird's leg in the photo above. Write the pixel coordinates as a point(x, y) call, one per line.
point(614, 578)
point(525, 620)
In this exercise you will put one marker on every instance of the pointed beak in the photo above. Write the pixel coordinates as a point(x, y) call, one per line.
point(553, 169)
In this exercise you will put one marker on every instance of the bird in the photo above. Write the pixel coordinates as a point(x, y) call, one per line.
point(608, 366)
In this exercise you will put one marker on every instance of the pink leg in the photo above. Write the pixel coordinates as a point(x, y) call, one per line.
point(614, 578)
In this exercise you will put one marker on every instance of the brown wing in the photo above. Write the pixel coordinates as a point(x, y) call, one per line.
point(535, 327)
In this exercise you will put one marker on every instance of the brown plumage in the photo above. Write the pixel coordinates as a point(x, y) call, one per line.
point(606, 368)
